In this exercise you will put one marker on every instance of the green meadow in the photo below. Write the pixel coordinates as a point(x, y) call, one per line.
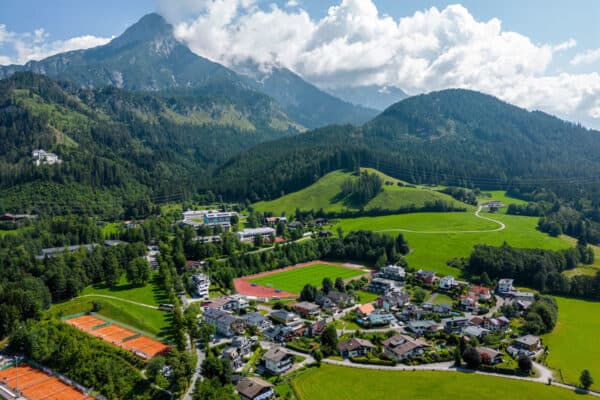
point(326, 194)
point(152, 293)
point(431, 250)
point(294, 280)
point(343, 383)
point(571, 343)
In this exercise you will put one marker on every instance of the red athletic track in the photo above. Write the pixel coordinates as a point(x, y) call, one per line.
point(244, 287)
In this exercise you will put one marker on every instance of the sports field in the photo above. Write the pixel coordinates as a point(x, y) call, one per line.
point(430, 249)
point(141, 345)
point(37, 385)
point(151, 293)
point(343, 383)
point(293, 280)
point(572, 343)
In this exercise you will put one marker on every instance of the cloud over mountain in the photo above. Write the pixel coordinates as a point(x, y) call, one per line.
point(354, 44)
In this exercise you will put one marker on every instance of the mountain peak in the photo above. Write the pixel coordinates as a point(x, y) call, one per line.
point(149, 27)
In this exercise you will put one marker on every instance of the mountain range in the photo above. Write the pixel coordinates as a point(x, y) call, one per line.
point(143, 117)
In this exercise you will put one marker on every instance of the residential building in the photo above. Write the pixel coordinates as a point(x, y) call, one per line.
point(528, 342)
point(207, 239)
point(257, 320)
point(500, 324)
point(475, 331)
point(342, 300)
point(284, 317)
point(277, 360)
point(225, 324)
point(446, 283)
point(424, 327)
point(233, 355)
point(481, 292)
point(228, 303)
point(517, 295)
point(252, 388)
point(219, 218)
point(249, 235)
point(197, 214)
point(242, 344)
point(393, 301)
point(365, 309)
point(443, 310)
point(272, 221)
point(393, 272)
point(379, 318)
point(315, 328)
point(489, 356)
point(324, 302)
point(194, 266)
point(381, 286)
point(455, 324)
point(426, 276)
point(321, 222)
point(201, 284)
point(355, 347)
point(402, 347)
point(469, 303)
point(304, 308)
point(505, 286)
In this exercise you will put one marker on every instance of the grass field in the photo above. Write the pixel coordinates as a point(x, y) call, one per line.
point(294, 280)
point(572, 343)
point(326, 194)
point(442, 299)
point(342, 383)
point(499, 195)
point(154, 322)
point(432, 250)
point(366, 297)
point(152, 293)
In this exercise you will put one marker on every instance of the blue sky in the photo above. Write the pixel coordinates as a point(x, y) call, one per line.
point(540, 57)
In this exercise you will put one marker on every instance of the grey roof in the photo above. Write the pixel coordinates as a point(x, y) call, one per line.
point(252, 386)
point(276, 354)
point(528, 340)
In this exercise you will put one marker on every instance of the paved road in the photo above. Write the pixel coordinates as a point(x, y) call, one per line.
point(119, 299)
point(201, 355)
point(501, 227)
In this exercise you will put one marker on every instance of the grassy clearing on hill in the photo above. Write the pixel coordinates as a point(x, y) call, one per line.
point(572, 343)
point(332, 382)
point(152, 293)
point(294, 280)
point(154, 322)
point(501, 196)
point(326, 194)
point(433, 250)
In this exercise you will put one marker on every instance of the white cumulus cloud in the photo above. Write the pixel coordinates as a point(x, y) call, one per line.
point(36, 45)
point(587, 57)
point(356, 45)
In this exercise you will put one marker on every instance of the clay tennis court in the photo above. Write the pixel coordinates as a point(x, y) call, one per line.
point(37, 385)
point(127, 339)
point(244, 287)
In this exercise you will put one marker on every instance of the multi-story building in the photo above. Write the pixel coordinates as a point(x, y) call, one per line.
point(201, 284)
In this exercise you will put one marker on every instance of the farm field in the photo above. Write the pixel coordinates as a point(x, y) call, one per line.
point(572, 342)
point(431, 250)
point(326, 194)
point(154, 322)
point(152, 293)
point(333, 382)
point(294, 280)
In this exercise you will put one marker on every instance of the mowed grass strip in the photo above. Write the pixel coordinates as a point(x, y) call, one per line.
point(294, 280)
point(343, 383)
point(572, 344)
point(154, 322)
point(433, 250)
point(151, 293)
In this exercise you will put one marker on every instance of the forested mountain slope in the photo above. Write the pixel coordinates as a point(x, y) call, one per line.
point(455, 137)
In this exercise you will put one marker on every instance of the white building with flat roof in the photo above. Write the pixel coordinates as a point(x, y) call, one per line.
point(248, 235)
point(201, 284)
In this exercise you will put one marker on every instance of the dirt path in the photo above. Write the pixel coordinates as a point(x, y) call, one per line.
point(501, 227)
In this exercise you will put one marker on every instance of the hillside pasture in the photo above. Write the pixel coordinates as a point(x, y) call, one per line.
point(152, 293)
point(326, 194)
point(343, 383)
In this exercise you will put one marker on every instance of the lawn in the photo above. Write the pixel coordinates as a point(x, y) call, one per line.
point(366, 297)
point(442, 299)
point(326, 194)
point(501, 196)
point(432, 250)
point(332, 382)
point(572, 342)
point(294, 280)
point(154, 322)
point(152, 293)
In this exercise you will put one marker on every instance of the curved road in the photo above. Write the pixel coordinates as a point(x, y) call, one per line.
point(119, 299)
point(501, 227)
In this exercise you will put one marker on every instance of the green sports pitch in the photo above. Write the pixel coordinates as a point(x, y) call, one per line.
point(293, 280)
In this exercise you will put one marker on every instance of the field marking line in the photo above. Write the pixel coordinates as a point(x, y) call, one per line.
point(501, 227)
point(119, 299)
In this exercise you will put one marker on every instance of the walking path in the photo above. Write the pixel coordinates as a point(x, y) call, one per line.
point(201, 355)
point(501, 227)
point(119, 299)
